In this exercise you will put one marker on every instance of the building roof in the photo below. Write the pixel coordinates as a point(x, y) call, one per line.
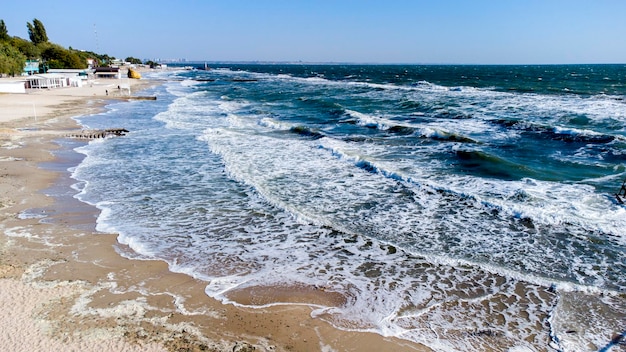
point(67, 70)
point(107, 69)
point(45, 75)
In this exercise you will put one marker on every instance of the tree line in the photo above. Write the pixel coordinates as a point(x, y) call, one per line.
point(14, 51)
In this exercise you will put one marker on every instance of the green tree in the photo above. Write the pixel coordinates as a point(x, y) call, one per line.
point(30, 50)
point(101, 59)
point(133, 60)
point(37, 32)
point(11, 60)
point(55, 56)
point(4, 34)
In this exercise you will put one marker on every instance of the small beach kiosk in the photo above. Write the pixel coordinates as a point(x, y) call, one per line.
point(31, 67)
point(107, 72)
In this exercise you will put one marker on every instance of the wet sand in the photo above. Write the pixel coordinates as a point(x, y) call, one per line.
point(65, 286)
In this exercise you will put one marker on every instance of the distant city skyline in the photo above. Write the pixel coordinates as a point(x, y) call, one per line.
point(365, 31)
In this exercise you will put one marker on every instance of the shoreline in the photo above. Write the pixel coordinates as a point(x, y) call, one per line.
point(69, 287)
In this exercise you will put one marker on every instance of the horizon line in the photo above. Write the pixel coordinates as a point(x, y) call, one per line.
point(302, 62)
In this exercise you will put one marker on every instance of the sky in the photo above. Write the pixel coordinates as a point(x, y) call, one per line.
point(357, 31)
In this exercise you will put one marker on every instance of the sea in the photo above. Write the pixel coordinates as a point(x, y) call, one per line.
point(466, 208)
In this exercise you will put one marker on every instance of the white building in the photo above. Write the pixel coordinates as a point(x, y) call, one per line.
point(46, 81)
point(74, 77)
point(12, 86)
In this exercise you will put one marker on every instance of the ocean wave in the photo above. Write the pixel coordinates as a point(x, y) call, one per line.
point(395, 127)
point(441, 135)
point(565, 134)
point(301, 130)
point(307, 132)
point(488, 165)
point(494, 197)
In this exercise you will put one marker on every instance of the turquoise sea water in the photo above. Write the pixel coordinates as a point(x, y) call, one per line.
point(462, 207)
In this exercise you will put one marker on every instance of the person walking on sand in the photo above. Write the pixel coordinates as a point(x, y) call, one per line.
point(107, 92)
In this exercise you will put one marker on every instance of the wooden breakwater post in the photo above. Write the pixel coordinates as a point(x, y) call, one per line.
point(621, 195)
point(132, 97)
point(94, 134)
point(149, 97)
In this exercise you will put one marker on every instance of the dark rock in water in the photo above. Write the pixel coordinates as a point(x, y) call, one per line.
point(527, 222)
point(93, 134)
point(485, 332)
point(243, 347)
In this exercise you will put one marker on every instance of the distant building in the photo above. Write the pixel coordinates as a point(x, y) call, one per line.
point(91, 63)
point(31, 67)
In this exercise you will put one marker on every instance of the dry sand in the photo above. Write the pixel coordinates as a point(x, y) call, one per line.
point(65, 287)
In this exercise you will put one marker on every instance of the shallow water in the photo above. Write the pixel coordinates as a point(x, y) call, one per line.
point(463, 207)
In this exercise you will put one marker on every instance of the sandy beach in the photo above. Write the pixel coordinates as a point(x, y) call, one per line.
point(64, 286)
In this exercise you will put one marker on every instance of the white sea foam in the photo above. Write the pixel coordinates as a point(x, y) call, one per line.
point(32, 214)
point(369, 120)
point(275, 124)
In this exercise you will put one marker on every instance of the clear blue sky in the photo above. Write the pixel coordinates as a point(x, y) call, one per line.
point(390, 31)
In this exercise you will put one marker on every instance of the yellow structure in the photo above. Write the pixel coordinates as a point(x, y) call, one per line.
point(133, 74)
